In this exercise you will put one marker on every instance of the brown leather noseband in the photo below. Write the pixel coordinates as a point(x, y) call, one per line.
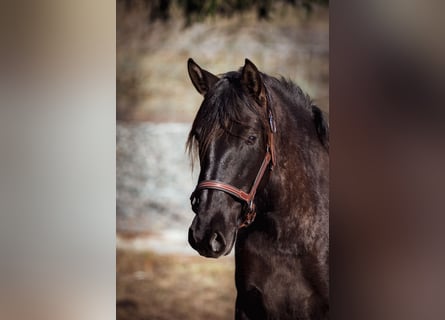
point(248, 198)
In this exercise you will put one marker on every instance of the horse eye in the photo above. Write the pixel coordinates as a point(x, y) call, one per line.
point(251, 140)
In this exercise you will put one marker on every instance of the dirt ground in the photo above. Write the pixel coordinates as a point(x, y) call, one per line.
point(153, 286)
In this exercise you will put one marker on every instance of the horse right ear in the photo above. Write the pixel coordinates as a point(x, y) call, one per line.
point(252, 80)
point(201, 79)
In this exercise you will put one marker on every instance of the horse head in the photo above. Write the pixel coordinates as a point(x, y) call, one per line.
point(232, 135)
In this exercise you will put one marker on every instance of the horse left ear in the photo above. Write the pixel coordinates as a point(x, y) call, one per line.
point(252, 81)
point(201, 79)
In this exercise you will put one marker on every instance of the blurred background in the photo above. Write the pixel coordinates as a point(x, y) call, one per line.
point(58, 155)
point(58, 135)
point(158, 275)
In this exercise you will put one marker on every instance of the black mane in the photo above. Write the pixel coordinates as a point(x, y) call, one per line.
point(221, 108)
point(301, 103)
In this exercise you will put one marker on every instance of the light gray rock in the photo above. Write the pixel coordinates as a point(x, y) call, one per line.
point(153, 176)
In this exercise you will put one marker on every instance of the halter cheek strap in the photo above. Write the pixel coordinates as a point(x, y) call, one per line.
point(248, 198)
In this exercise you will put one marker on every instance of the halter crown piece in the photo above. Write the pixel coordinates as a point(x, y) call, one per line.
point(247, 198)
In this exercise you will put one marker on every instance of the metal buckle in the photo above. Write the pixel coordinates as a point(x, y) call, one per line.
point(273, 128)
point(251, 205)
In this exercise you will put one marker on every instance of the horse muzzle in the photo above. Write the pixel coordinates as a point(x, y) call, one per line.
point(211, 244)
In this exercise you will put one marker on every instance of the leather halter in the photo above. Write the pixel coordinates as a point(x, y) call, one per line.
point(248, 198)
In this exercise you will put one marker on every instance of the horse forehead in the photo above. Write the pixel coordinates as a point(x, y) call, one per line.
point(228, 80)
point(231, 75)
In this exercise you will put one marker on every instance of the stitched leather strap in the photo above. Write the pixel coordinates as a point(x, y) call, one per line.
point(248, 198)
point(238, 193)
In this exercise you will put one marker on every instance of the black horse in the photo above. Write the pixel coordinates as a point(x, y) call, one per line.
point(263, 149)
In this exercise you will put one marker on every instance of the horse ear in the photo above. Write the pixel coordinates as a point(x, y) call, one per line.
point(252, 80)
point(201, 79)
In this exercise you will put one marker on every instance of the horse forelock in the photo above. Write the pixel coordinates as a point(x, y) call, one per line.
point(225, 104)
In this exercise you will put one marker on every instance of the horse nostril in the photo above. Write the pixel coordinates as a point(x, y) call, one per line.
point(217, 242)
point(191, 237)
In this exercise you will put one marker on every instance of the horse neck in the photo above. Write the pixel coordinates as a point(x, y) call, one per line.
point(293, 203)
point(298, 184)
point(293, 206)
